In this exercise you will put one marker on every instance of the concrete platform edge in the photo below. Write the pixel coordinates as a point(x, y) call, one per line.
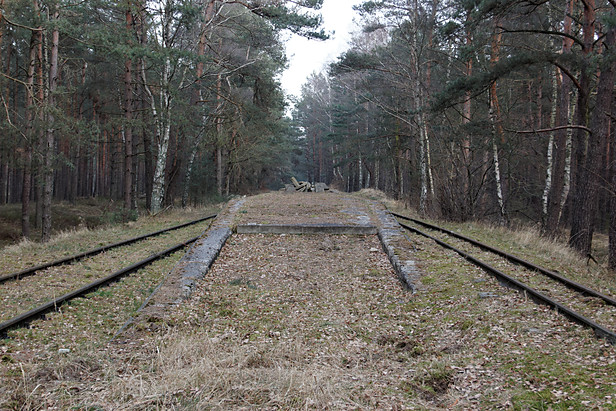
point(306, 229)
point(389, 234)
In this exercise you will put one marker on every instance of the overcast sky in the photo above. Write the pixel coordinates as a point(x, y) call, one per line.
point(307, 56)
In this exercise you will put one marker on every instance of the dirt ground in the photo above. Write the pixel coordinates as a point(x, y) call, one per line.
point(305, 208)
point(293, 321)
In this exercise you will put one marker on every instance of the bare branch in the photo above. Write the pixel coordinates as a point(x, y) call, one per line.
point(549, 130)
point(21, 25)
point(555, 33)
point(569, 74)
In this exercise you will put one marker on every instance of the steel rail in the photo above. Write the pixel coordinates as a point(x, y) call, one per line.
point(71, 259)
point(53, 305)
point(537, 296)
point(517, 260)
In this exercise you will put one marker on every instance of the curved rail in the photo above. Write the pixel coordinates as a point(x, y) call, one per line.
point(71, 259)
point(537, 296)
point(28, 316)
point(517, 260)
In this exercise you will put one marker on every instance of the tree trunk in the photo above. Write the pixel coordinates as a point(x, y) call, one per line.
point(582, 216)
point(145, 136)
point(497, 128)
point(559, 177)
point(158, 185)
point(219, 166)
point(30, 116)
point(128, 117)
point(1, 20)
point(467, 200)
point(50, 135)
point(4, 176)
point(188, 175)
point(568, 160)
point(601, 124)
point(550, 151)
point(25, 193)
point(148, 162)
point(4, 157)
point(612, 205)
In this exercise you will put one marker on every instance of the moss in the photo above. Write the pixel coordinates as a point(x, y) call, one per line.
point(534, 400)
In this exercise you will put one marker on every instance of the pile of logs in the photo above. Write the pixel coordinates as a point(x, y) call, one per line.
point(305, 186)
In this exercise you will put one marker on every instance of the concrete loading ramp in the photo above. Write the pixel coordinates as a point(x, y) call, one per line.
point(279, 213)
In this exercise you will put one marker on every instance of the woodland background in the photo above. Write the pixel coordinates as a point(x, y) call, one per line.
point(465, 109)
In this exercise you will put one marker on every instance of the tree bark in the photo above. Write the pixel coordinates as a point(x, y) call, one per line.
point(29, 134)
point(602, 118)
point(158, 185)
point(498, 133)
point(550, 151)
point(584, 188)
point(559, 177)
point(128, 117)
point(148, 159)
point(4, 176)
point(467, 200)
point(219, 165)
point(50, 135)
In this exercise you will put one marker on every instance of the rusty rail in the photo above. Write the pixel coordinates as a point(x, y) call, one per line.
point(536, 296)
point(53, 305)
point(517, 260)
point(71, 259)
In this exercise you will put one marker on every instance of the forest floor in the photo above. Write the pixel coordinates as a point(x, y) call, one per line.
point(84, 213)
point(322, 322)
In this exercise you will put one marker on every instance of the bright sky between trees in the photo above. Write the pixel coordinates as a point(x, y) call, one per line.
point(308, 56)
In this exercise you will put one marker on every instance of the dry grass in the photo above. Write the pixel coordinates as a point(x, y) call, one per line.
point(319, 332)
point(525, 241)
point(304, 322)
point(304, 208)
point(28, 253)
point(392, 204)
point(554, 254)
point(207, 372)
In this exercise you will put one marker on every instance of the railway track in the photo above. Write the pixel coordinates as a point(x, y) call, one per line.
point(63, 280)
point(74, 258)
point(579, 303)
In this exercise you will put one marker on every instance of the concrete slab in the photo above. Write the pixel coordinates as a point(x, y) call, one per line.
point(306, 229)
